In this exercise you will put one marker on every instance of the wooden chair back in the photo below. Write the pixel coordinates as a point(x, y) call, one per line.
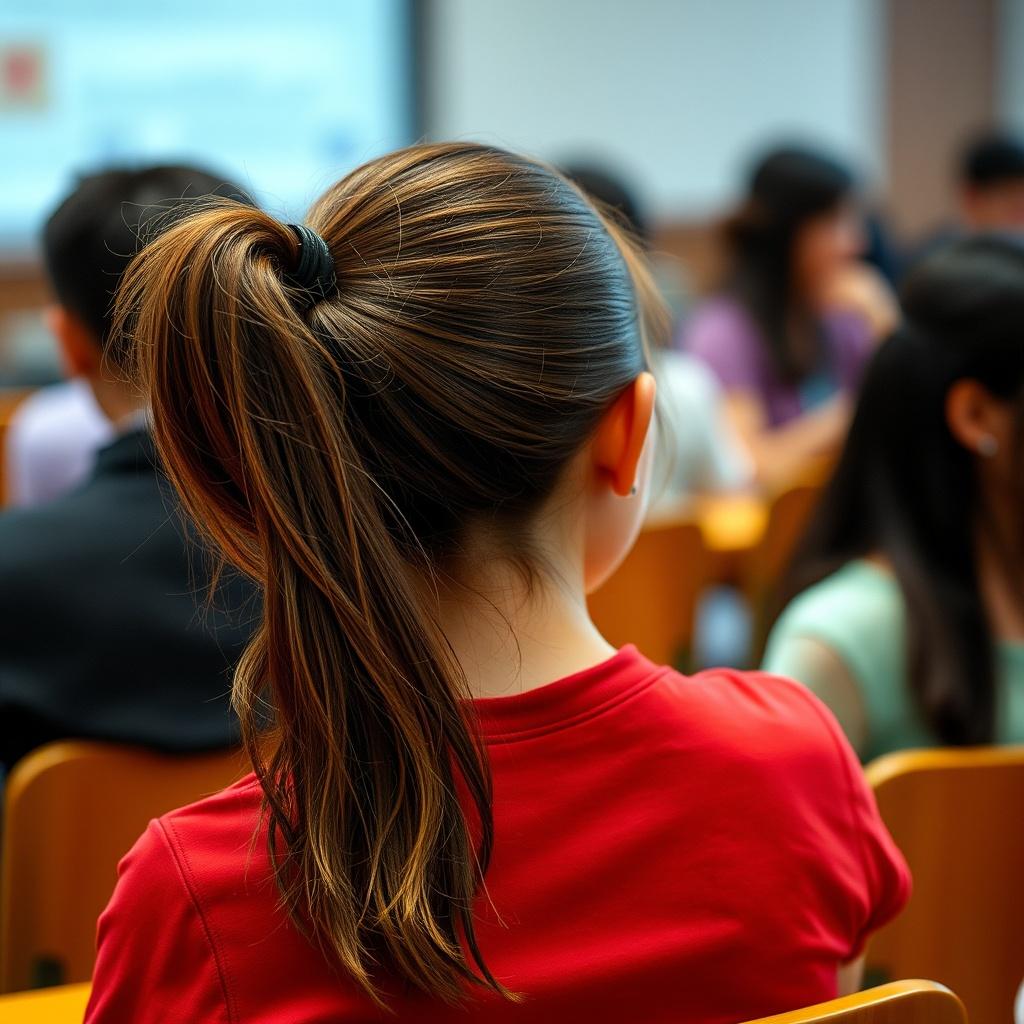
point(650, 600)
point(789, 514)
point(71, 810)
point(64, 1004)
point(9, 401)
point(901, 1002)
point(958, 817)
point(904, 1002)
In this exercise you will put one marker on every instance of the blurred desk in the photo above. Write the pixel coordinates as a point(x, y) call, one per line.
point(64, 1005)
point(731, 525)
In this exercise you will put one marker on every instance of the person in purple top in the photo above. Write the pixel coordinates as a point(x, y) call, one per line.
point(787, 336)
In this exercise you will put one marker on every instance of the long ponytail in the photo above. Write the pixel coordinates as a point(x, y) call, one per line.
point(484, 318)
point(378, 849)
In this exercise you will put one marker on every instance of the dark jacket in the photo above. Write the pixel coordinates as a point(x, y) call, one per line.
point(105, 632)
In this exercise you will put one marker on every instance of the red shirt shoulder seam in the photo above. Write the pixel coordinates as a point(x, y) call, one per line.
point(177, 853)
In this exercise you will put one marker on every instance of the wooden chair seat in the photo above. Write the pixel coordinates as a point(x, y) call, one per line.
point(957, 816)
point(901, 1002)
point(71, 812)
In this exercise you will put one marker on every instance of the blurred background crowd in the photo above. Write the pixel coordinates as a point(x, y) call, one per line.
point(840, 494)
point(676, 101)
point(785, 165)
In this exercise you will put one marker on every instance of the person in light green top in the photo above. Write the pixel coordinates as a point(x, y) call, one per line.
point(845, 638)
point(906, 600)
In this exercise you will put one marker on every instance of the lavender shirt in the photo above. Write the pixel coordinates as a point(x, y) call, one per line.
point(722, 335)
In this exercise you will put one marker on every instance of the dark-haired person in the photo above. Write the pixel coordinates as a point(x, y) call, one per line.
point(422, 422)
point(910, 617)
point(991, 179)
point(989, 191)
point(54, 435)
point(787, 357)
point(104, 631)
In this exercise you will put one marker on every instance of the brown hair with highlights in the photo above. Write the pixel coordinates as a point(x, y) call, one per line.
point(485, 317)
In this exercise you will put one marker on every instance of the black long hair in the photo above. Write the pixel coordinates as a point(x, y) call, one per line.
point(906, 489)
point(788, 188)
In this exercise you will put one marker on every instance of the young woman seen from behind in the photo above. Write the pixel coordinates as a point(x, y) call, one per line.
point(422, 424)
point(907, 600)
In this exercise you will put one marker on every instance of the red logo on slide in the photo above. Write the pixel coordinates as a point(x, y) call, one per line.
point(21, 75)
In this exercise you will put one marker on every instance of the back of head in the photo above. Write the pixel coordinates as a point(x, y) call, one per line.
point(337, 445)
point(90, 239)
point(606, 188)
point(992, 183)
point(990, 159)
point(907, 489)
point(788, 188)
point(792, 184)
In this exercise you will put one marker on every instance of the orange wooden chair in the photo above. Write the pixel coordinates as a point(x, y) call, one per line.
point(62, 1005)
point(9, 401)
point(71, 811)
point(651, 598)
point(958, 817)
point(789, 511)
point(901, 1002)
point(788, 516)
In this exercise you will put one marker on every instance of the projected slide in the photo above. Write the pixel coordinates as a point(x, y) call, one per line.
point(281, 97)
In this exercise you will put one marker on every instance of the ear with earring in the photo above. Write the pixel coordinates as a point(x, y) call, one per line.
point(988, 446)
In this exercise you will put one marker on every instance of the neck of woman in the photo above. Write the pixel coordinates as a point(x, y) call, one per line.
point(513, 630)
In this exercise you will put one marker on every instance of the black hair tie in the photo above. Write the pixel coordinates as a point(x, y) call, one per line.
point(315, 271)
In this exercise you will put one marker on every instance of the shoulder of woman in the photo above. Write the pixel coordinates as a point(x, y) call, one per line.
point(213, 836)
point(789, 763)
point(154, 946)
point(851, 603)
point(766, 716)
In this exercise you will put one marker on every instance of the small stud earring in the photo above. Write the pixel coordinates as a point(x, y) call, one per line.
point(988, 446)
point(632, 491)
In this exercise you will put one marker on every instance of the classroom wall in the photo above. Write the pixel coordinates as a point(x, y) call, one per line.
point(940, 88)
point(1010, 77)
point(675, 93)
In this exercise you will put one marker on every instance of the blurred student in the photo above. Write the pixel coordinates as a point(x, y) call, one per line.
point(910, 617)
point(422, 422)
point(990, 192)
point(788, 357)
point(104, 632)
point(698, 450)
point(52, 441)
point(992, 183)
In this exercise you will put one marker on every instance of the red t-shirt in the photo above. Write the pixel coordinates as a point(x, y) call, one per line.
point(667, 849)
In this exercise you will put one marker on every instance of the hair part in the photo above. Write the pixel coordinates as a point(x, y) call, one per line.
point(485, 318)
